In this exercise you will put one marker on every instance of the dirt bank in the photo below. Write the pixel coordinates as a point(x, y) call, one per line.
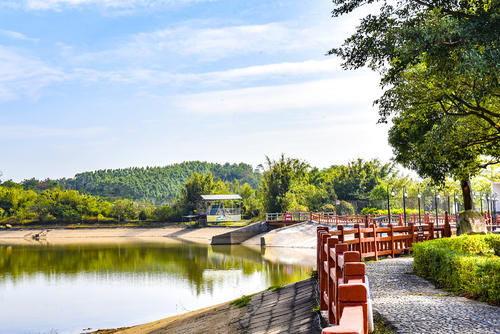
point(104, 235)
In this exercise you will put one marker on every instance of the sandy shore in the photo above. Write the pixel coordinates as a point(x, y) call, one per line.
point(106, 235)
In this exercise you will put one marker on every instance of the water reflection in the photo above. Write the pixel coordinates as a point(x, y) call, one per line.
point(68, 287)
point(179, 260)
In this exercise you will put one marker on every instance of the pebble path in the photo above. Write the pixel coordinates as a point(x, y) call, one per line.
point(413, 305)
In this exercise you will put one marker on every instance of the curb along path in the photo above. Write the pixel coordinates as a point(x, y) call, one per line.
point(413, 305)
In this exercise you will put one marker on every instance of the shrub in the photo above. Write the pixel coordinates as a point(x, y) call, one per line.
point(465, 264)
point(327, 208)
point(345, 208)
point(369, 211)
point(494, 242)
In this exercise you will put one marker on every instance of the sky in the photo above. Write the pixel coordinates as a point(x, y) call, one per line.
point(97, 84)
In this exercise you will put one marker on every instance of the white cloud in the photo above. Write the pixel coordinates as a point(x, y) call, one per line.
point(310, 95)
point(59, 5)
point(211, 44)
point(17, 35)
point(142, 76)
point(24, 76)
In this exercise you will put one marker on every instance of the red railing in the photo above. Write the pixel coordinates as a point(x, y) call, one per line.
point(283, 219)
point(343, 286)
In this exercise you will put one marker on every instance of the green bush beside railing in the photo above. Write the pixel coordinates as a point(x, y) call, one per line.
point(468, 264)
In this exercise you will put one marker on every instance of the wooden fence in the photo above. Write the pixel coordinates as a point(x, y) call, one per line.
point(439, 221)
point(343, 286)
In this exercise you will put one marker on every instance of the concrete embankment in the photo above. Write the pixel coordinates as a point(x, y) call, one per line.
point(301, 235)
point(282, 310)
point(239, 235)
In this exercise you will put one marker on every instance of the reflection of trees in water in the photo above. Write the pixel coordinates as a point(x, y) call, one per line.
point(183, 261)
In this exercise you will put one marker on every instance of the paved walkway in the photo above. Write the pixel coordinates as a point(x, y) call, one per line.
point(288, 310)
point(413, 305)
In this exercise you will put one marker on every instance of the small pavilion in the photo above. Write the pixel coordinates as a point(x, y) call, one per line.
point(220, 208)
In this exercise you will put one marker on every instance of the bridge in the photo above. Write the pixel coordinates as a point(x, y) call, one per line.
point(439, 221)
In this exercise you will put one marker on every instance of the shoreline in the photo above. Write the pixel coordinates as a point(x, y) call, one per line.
point(102, 235)
point(223, 314)
point(273, 309)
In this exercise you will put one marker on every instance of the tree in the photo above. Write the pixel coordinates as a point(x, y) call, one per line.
point(195, 186)
point(124, 209)
point(439, 62)
point(251, 204)
point(16, 202)
point(356, 179)
point(278, 179)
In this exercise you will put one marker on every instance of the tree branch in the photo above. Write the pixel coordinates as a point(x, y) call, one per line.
point(447, 11)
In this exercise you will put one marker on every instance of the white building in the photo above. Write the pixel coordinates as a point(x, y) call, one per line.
point(495, 190)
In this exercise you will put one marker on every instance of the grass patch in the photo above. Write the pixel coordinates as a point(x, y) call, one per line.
point(275, 288)
point(241, 302)
point(380, 325)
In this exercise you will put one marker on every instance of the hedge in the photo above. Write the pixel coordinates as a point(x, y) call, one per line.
point(468, 264)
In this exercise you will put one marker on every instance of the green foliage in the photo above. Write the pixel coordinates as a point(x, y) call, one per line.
point(283, 176)
point(344, 208)
point(15, 202)
point(291, 185)
point(276, 288)
point(157, 185)
point(167, 213)
point(395, 211)
point(380, 325)
point(196, 186)
point(465, 264)
point(66, 206)
point(494, 242)
point(251, 206)
point(357, 179)
point(369, 211)
point(439, 66)
point(241, 302)
point(327, 208)
point(124, 209)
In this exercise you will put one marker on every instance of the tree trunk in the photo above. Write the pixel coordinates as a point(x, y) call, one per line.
point(467, 194)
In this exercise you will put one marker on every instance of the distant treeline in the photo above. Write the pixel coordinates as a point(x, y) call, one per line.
point(169, 193)
point(156, 185)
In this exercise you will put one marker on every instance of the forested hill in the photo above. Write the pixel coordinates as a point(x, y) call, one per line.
point(155, 184)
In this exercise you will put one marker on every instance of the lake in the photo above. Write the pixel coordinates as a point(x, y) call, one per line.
point(72, 288)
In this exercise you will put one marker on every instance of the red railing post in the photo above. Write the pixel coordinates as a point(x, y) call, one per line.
point(375, 242)
point(392, 239)
point(447, 227)
point(340, 228)
point(431, 230)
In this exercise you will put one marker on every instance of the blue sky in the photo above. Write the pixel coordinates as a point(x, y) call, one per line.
point(92, 84)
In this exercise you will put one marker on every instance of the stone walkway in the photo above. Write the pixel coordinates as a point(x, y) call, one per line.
point(413, 305)
point(288, 310)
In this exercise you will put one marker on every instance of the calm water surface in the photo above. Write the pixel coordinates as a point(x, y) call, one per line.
point(70, 288)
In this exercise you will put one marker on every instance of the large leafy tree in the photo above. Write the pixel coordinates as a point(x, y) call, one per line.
point(281, 182)
point(439, 62)
point(356, 179)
